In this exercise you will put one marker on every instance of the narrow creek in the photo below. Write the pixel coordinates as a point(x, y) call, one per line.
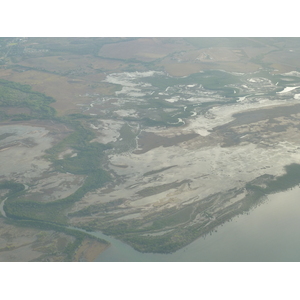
point(270, 232)
point(2, 203)
point(1, 208)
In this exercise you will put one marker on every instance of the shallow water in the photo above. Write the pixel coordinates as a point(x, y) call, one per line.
point(269, 232)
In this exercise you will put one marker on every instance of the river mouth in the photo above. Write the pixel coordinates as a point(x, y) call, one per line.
point(184, 149)
point(149, 196)
point(269, 233)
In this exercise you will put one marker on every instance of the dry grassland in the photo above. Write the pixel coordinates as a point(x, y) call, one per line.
point(58, 63)
point(66, 91)
point(285, 61)
point(217, 54)
point(69, 63)
point(231, 60)
point(144, 49)
point(79, 75)
point(252, 52)
point(280, 68)
point(243, 67)
point(89, 250)
point(76, 78)
point(187, 68)
point(106, 64)
point(21, 244)
point(56, 86)
point(180, 69)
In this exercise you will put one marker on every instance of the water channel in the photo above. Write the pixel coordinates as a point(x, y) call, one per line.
point(1, 208)
point(270, 232)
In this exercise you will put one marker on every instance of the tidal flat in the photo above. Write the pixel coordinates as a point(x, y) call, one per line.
point(154, 149)
point(213, 159)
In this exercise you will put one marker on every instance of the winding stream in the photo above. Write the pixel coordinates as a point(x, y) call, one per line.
point(1, 208)
point(2, 203)
point(269, 232)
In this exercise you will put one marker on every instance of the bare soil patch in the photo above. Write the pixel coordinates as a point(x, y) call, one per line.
point(89, 250)
point(145, 49)
point(21, 244)
point(67, 94)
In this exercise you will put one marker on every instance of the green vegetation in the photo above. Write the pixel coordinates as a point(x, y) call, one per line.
point(49, 216)
point(211, 80)
point(127, 139)
point(78, 140)
point(16, 95)
point(148, 122)
point(207, 42)
point(92, 209)
point(13, 187)
point(171, 221)
point(158, 171)
point(77, 46)
point(52, 215)
point(282, 183)
point(87, 162)
point(179, 235)
point(153, 190)
point(259, 60)
point(18, 207)
point(156, 244)
point(5, 135)
point(19, 103)
point(178, 217)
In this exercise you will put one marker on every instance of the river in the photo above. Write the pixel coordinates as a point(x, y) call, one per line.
point(2, 203)
point(270, 232)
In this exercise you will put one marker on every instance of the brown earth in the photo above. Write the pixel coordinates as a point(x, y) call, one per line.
point(72, 79)
point(89, 250)
point(144, 49)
